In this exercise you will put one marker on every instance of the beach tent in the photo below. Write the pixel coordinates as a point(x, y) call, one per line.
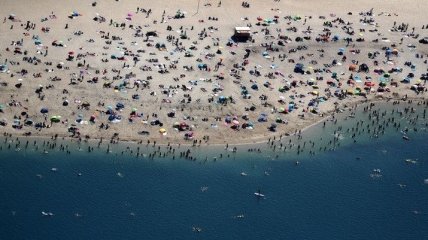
point(222, 99)
point(228, 119)
point(262, 117)
point(55, 119)
point(188, 135)
point(282, 110)
point(272, 127)
point(291, 106)
point(120, 106)
point(357, 78)
point(3, 68)
point(406, 80)
point(298, 68)
point(92, 119)
point(28, 122)
point(352, 68)
point(363, 68)
point(183, 126)
point(202, 66)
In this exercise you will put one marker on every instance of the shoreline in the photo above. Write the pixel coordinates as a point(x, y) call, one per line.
point(254, 140)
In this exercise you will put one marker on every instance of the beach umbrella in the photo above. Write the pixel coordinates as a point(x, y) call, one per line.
point(162, 130)
point(44, 110)
point(235, 122)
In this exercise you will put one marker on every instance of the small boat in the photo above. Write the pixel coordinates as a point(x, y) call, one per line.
point(197, 229)
point(48, 214)
point(410, 161)
point(54, 169)
point(259, 194)
point(376, 173)
point(406, 138)
point(244, 174)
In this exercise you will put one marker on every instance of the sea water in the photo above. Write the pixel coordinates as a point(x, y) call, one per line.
point(334, 194)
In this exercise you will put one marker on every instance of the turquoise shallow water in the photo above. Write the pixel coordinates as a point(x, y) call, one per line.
point(332, 195)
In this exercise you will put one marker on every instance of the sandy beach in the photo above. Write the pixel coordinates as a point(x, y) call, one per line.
point(173, 72)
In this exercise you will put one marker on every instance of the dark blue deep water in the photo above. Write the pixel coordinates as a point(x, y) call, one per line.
point(332, 195)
